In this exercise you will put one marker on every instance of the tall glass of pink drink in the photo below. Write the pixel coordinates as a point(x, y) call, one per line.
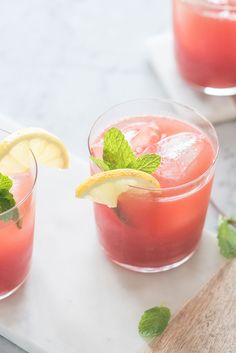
point(205, 45)
point(156, 230)
point(16, 236)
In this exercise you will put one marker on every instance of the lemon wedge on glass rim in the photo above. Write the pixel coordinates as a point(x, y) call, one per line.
point(105, 187)
point(15, 149)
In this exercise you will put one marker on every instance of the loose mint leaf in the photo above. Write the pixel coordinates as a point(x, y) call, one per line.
point(7, 202)
point(148, 163)
point(5, 182)
point(227, 236)
point(100, 163)
point(154, 321)
point(117, 152)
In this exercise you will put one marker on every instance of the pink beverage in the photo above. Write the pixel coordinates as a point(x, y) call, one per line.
point(157, 230)
point(16, 236)
point(205, 45)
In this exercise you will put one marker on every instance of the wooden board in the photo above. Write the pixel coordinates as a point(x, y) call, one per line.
point(207, 323)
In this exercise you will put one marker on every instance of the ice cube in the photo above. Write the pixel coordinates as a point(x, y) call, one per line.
point(145, 138)
point(129, 133)
point(178, 152)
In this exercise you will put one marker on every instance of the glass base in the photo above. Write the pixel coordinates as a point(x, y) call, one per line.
point(154, 269)
point(213, 91)
point(7, 294)
point(221, 92)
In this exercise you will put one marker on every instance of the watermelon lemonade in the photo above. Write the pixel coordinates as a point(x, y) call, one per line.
point(154, 230)
point(16, 222)
point(16, 235)
point(19, 153)
point(205, 45)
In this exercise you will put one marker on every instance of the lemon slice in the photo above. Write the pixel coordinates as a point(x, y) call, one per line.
point(48, 150)
point(106, 187)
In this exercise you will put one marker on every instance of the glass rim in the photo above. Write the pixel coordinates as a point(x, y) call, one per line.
point(27, 195)
point(211, 6)
point(171, 102)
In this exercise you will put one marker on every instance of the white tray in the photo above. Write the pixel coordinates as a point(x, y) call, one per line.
point(75, 300)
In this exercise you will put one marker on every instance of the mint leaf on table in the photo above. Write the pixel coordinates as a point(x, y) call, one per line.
point(154, 321)
point(118, 154)
point(227, 236)
point(7, 202)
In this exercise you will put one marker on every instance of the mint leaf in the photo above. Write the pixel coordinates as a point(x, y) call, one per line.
point(154, 321)
point(12, 215)
point(117, 153)
point(100, 163)
point(227, 236)
point(7, 202)
point(5, 182)
point(148, 163)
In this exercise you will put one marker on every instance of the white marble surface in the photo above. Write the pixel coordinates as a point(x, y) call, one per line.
point(74, 292)
point(63, 62)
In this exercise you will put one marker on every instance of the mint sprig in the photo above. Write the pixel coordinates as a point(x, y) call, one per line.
point(100, 163)
point(5, 182)
point(118, 154)
point(227, 236)
point(7, 202)
point(148, 163)
point(154, 321)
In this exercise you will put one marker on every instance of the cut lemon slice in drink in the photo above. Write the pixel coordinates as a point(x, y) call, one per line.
point(48, 150)
point(106, 187)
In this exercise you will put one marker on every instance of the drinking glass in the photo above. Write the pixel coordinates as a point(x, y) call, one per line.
point(205, 45)
point(17, 229)
point(154, 230)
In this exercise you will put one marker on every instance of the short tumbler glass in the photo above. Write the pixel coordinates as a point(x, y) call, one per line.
point(205, 44)
point(164, 225)
point(17, 229)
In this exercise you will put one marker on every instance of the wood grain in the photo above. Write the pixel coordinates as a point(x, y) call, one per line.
point(207, 323)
